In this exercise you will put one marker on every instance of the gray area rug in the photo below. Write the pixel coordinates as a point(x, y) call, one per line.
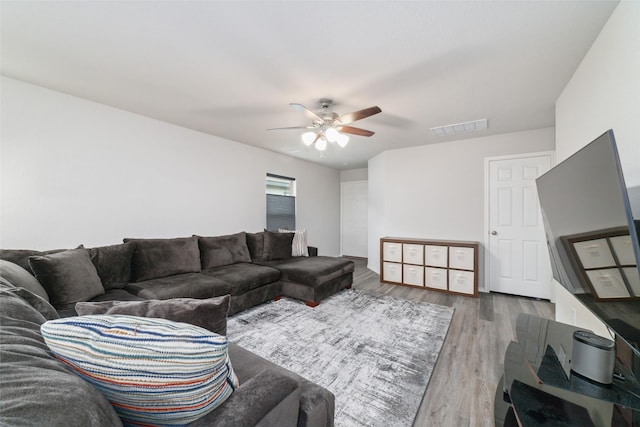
point(373, 352)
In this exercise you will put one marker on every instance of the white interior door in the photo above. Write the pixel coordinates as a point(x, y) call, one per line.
point(354, 218)
point(518, 261)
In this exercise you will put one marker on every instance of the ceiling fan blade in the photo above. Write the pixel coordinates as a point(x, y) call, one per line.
point(310, 113)
point(293, 127)
point(354, 131)
point(359, 115)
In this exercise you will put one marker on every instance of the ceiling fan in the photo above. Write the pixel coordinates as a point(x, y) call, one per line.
point(328, 126)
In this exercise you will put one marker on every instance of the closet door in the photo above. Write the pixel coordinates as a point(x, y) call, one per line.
point(354, 206)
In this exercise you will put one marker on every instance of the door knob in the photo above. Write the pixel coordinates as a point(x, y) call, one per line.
point(494, 233)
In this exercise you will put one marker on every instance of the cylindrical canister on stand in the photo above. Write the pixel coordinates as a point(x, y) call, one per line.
point(593, 357)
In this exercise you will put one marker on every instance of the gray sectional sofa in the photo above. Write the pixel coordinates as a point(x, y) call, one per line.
point(251, 268)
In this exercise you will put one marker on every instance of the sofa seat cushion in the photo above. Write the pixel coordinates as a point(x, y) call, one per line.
point(110, 295)
point(155, 258)
point(153, 371)
point(117, 295)
point(208, 313)
point(312, 271)
point(37, 389)
point(243, 277)
point(189, 285)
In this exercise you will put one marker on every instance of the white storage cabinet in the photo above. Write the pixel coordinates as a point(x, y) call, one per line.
point(443, 265)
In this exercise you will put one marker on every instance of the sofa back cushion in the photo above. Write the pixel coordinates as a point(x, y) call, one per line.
point(113, 264)
point(37, 389)
point(299, 245)
point(277, 245)
point(223, 250)
point(21, 278)
point(208, 313)
point(255, 243)
point(21, 256)
point(67, 276)
point(156, 258)
point(154, 371)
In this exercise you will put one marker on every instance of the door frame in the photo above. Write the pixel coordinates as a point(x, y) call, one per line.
point(486, 242)
point(360, 181)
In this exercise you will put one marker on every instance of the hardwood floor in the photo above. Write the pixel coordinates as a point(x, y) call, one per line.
point(463, 384)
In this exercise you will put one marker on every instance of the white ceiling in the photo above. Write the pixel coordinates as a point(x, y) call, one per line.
point(231, 68)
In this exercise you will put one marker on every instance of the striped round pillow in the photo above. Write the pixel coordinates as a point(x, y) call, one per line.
point(154, 371)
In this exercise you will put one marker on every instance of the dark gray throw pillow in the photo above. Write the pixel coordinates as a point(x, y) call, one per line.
point(223, 250)
point(277, 245)
point(67, 276)
point(21, 278)
point(255, 243)
point(156, 258)
point(113, 264)
point(210, 313)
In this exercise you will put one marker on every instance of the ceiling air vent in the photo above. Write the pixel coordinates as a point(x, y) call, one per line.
point(460, 128)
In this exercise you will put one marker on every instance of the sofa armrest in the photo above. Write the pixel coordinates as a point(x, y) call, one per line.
point(267, 399)
point(313, 251)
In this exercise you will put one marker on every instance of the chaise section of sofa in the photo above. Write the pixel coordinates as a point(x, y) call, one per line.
point(307, 278)
point(313, 279)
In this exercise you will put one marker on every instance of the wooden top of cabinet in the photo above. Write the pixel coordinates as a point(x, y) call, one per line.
point(429, 241)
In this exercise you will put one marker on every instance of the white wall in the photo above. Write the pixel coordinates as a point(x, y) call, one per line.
point(354, 175)
point(74, 171)
point(604, 93)
point(437, 191)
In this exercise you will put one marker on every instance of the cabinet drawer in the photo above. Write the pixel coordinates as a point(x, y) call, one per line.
point(461, 281)
point(435, 256)
point(413, 254)
point(461, 258)
point(413, 275)
point(392, 272)
point(392, 252)
point(435, 277)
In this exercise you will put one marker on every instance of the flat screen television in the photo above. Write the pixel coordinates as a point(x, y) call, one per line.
point(592, 237)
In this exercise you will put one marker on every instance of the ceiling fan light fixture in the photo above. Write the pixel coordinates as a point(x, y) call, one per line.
point(321, 144)
point(328, 126)
point(342, 140)
point(331, 134)
point(308, 138)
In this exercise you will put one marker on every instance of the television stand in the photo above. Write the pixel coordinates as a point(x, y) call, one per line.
point(538, 387)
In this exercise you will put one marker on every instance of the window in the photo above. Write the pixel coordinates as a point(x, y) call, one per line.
point(281, 202)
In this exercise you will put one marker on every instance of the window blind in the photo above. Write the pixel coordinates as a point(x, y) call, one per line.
point(281, 212)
